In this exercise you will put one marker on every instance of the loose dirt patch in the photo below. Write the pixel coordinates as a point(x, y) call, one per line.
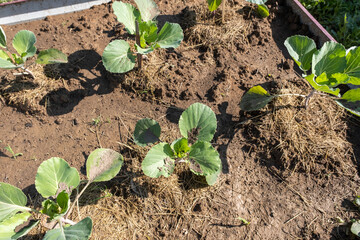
point(285, 188)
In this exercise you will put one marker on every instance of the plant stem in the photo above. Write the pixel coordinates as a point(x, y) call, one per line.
point(308, 98)
point(137, 38)
point(27, 71)
point(223, 12)
point(67, 221)
point(77, 199)
point(291, 94)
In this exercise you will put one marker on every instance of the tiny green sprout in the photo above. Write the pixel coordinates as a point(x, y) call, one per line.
point(24, 44)
point(197, 126)
point(118, 56)
point(54, 181)
point(326, 69)
point(14, 155)
point(243, 220)
point(340, 220)
point(262, 9)
point(96, 121)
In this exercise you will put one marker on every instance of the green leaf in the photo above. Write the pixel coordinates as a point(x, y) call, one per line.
point(54, 172)
point(144, 50)
point(329, 59)
point(211, 179)
point(148, 33)
point(198, 122)
point(7, 227)
point(117, 57)
point(7, 64)
point(319, 87)
point(2, 38)
point(12, 200)
point(355, 228)
point(103, 164)
point(50, 208)
point(258, 2)
point(353, 65)
point(336, 79)
point(158, 161)
point(56, 209)
point(146, 131)
point(213, 4)
point(301, 49)
point(263, 10)
point(254, 99)
point(51, 56)
point(127, 14)
point(170, 36)
point(24, 41)
point(204, 159)
point(80, 231)
point(148, 9)
point(181, 147)
point(351, 101)
point(25, 230)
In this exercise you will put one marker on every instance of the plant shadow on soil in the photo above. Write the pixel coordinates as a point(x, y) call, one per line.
point(80, 70)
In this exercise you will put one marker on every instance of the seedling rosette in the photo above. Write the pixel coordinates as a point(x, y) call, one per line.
point(118, 56)
point(326, 69)
point(24, 44)
point(55, 180)
point(197, 126)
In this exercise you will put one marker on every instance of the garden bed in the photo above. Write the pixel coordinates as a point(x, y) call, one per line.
point(215, 64)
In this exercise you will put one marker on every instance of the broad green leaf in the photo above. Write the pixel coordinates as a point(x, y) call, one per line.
point(329, 59)
point(323, 88)
point(53, 172)
point(25, 230)
point(351, 101)
point(12, 200)
point(170, 35)
point(204, 159)
point(127, 14)
point(146, 131)
point(24, 41)
point(31, 52)
point(336, 79)
point(258, 2)
point(355, 228)
point(301, 49)
point(148, 33)
point(254, 99)
point(213, 4)
point(198, 122)
point(51, 56)
point(7, 64)
point(2, 38)
point(80, 231)
point(211, 179)
point(263, 10)
point(148, 9)
point(181, 147)
point(158, 161)
point(117, 57)
point(144, 50)
point(7, 227)
point(103, 164)
point(353, 65)
point(4, 55)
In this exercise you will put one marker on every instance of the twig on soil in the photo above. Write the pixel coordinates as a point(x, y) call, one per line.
point(125, 145)
point(293, 217)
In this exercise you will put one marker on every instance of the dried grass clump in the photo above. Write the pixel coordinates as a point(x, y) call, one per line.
point(311, 140)
point(209, 34)
point(26, 93)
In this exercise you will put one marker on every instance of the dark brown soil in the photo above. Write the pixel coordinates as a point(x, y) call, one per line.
point(253, 186)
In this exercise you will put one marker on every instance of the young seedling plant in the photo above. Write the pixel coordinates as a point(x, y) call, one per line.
point(118, 56)
point(14, 155)
point(23, 43)
point(55, 180)
point(326, 70)
point(262, 10)
point(197, 126)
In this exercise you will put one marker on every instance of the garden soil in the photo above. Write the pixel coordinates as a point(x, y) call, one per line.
point(275, 182)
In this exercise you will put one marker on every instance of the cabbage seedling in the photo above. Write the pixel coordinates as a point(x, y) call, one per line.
point(23, 43)
point(118, 56)
point(261, 9)
point(55, 180)
point(325, 69)
point(197, 126)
